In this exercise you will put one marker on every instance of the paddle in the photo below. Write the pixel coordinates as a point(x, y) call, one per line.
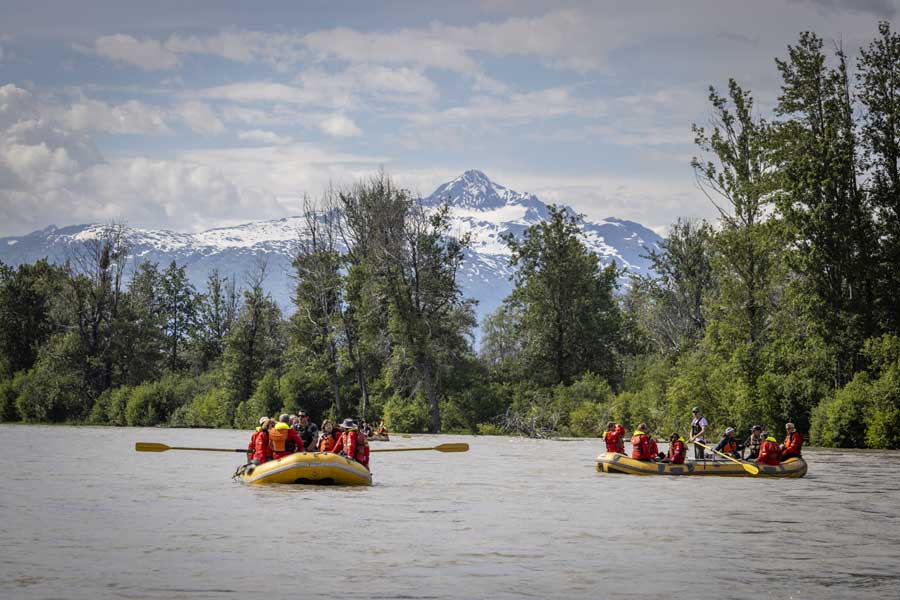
point(153, 447)
point(462, 447)
point(752, 469)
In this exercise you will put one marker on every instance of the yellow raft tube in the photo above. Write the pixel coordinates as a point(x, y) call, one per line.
point(316, 468)
point(613, 462)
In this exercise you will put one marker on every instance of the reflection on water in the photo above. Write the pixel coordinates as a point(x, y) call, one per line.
point(512, 518)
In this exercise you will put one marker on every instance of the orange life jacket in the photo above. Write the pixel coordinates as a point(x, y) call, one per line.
point(278, 439)
point(729, 447)
point(326, 443)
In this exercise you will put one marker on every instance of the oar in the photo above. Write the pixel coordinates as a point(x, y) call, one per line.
point(461, 447)
point(752, 469)
point(154, 447)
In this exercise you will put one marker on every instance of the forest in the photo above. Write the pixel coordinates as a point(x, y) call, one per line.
point(785, 308)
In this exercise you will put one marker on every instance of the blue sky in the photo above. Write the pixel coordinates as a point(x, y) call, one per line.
point(190, 117)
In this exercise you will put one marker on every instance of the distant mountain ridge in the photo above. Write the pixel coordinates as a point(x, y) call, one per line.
point(478, 205)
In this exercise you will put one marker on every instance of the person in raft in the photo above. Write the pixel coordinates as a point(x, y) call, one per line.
point(655, 454)
point(353, 444)
point(640, 444)
point(328, 436)
point(307, 430)
point(698, 429)
point(752, 443)
point(769, 451)
point(793, 441)
point(251, 447)
point(365, 428)
point(728, 445)
point(677, 450)
point(283, 440)
point(614, 436)
point(262, 451)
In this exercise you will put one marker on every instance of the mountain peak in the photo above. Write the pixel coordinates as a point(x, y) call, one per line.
point(473, 190)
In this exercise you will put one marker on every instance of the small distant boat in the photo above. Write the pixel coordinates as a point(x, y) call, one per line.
point(314, 468)
point(379, 437)
point(613, 462)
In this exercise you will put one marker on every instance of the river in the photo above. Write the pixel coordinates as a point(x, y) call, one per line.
point(86, 516)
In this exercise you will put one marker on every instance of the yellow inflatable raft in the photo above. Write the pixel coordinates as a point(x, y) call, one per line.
point(317, 468)
point(613, 462)
point(379, 437)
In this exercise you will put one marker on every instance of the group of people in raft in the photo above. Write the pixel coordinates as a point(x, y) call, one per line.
point(277, 438)
point(760, 445)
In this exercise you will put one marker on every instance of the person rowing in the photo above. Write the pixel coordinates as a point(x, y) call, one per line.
point(728, 445)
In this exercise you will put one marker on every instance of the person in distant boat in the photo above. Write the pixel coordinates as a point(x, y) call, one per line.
point(728, 445)
point(677, 450)
point(655, 454)
point(251, 447)
point(769, 451)
point(698, 429)
point(263, 450)
point(793, 441)
point(614, 436)
point(366, 428)
point(382, 430)
point(353, 444)
point(283, 439)
point(640, 444)
point(752, 443)
point(328, 436)
point(308, 431)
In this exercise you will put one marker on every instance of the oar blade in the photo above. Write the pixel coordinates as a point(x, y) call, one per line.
point(752, 469)
point(457, 447)
point(150, 447)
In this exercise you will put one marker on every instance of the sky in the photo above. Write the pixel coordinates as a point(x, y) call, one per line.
point(189, 116)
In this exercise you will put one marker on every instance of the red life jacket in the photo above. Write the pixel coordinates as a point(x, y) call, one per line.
point(612, 440)
point(640, 446)
point(677, 452)
point(654, 449)
point(263, 451)
point(356, 446)
point(769, 453)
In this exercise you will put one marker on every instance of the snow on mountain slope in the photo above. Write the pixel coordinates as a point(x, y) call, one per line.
point(478, 205)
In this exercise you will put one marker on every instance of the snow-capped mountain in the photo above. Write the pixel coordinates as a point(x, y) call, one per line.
point(478, 205)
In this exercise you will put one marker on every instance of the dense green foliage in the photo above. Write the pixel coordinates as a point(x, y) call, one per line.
point(784, 309)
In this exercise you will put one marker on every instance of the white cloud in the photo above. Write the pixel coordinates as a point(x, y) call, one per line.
point(339, 126)
point(129, 117)
point(264, 137)
point(148, 54)
point(49, 172)
point(200, 117)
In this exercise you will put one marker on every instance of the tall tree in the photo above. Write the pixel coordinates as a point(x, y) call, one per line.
point(570, 319)
point(674, 308)
point(178, 300)
point(878, 89)
point(739, 181)
point(255, 343)
point(26, 321)
point(216, 313)
point(318, 294)
point(821, 202)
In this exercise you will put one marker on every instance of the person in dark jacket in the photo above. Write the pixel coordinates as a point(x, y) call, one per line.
point(728, 445)
point(752, 443)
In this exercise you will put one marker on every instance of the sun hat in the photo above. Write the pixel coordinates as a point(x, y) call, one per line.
point(348, 424)
point(695, 409)
point(263, 420)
